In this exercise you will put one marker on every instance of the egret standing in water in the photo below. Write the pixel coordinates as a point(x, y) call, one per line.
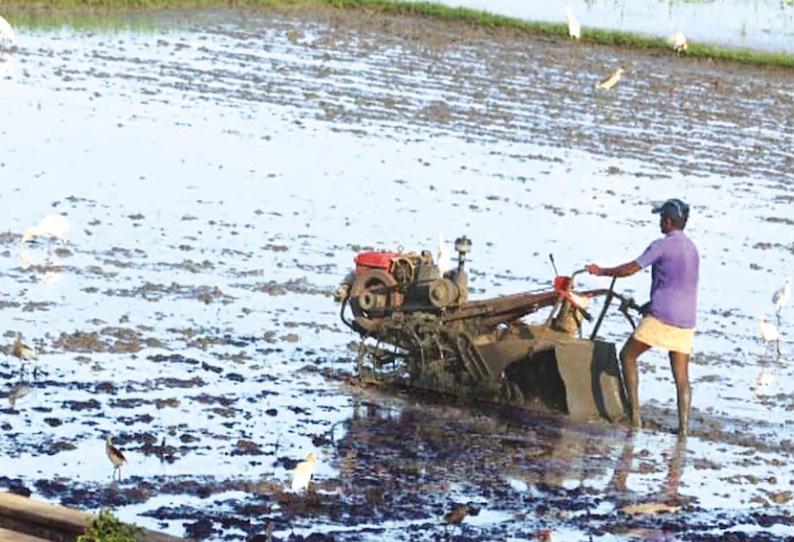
point(8, 39)
point(115, 456)
point(610, 81)
point(443, 255)
point(574, 28)
point(678, 42)
point(303, 473)
point(7, 32)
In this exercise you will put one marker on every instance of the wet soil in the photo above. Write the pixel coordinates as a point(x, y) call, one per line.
point(220, 172)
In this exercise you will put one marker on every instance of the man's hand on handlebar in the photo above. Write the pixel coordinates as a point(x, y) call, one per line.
point(593, 269)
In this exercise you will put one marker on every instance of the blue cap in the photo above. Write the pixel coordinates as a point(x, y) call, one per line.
point(674, 208)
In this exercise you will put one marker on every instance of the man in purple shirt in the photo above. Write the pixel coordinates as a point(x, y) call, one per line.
point(669, 321)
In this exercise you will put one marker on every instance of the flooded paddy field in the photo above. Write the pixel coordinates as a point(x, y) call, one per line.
point(757, 24)
point(220, 170)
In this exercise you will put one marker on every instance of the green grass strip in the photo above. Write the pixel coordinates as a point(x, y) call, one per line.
point(34, 12)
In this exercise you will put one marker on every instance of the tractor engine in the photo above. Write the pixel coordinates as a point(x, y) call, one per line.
point(385, 282)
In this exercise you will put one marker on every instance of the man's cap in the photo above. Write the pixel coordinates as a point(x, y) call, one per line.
point(674, 208)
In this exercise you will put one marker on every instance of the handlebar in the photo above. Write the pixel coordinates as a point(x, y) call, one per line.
point(578, 271)
point(627, 303)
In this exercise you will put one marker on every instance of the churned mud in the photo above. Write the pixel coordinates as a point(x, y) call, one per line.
point(220, 170)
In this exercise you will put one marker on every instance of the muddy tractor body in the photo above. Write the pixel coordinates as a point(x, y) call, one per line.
point(420, 329)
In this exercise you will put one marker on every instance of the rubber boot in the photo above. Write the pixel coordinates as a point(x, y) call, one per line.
point(631, 379)
point(684, 407)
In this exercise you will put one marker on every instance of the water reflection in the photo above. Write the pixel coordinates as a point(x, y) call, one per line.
point(47, 268)
point(762, 382)
point(27, 260)
point(674, 460)
point(438, 454)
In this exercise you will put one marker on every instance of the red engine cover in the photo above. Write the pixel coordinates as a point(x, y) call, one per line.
point(374, 260)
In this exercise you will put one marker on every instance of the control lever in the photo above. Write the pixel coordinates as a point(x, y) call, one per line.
point(553, 265)
point(627, 303)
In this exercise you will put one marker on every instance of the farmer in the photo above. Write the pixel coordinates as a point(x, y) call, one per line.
point(669, 321)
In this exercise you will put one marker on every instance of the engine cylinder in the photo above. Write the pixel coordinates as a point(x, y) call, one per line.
point(443, 293)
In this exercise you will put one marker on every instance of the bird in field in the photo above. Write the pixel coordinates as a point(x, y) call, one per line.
point(52, 226)
point(303, 472)
point(781, 296)
point(17, 392)
point(456, 516)
point(610, 81)
point(678, 42)
point(769, 333)
point(574, 28)
point(115, 456)
point(22, 351)
point(444, 262)
point(6, 32)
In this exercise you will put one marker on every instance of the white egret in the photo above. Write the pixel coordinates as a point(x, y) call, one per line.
point(303, 472)
point(610, 81)
point(780, 298)
point(52, 226)
point(678, 42)
point(574, 28)
point(6, 31)
point(115, 456)
point(444, 262)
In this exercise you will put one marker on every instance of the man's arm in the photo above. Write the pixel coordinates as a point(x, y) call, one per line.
point(625, 270)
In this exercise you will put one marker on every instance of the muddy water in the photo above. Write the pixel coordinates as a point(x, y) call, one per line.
point(221, 171)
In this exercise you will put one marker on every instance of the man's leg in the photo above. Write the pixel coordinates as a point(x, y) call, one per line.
point(680, 364)
point(628, 361)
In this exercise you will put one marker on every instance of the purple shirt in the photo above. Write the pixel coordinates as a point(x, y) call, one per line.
point(674, 278)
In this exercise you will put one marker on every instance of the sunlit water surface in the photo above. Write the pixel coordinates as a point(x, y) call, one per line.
point(220, 173)
point(755, 24)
